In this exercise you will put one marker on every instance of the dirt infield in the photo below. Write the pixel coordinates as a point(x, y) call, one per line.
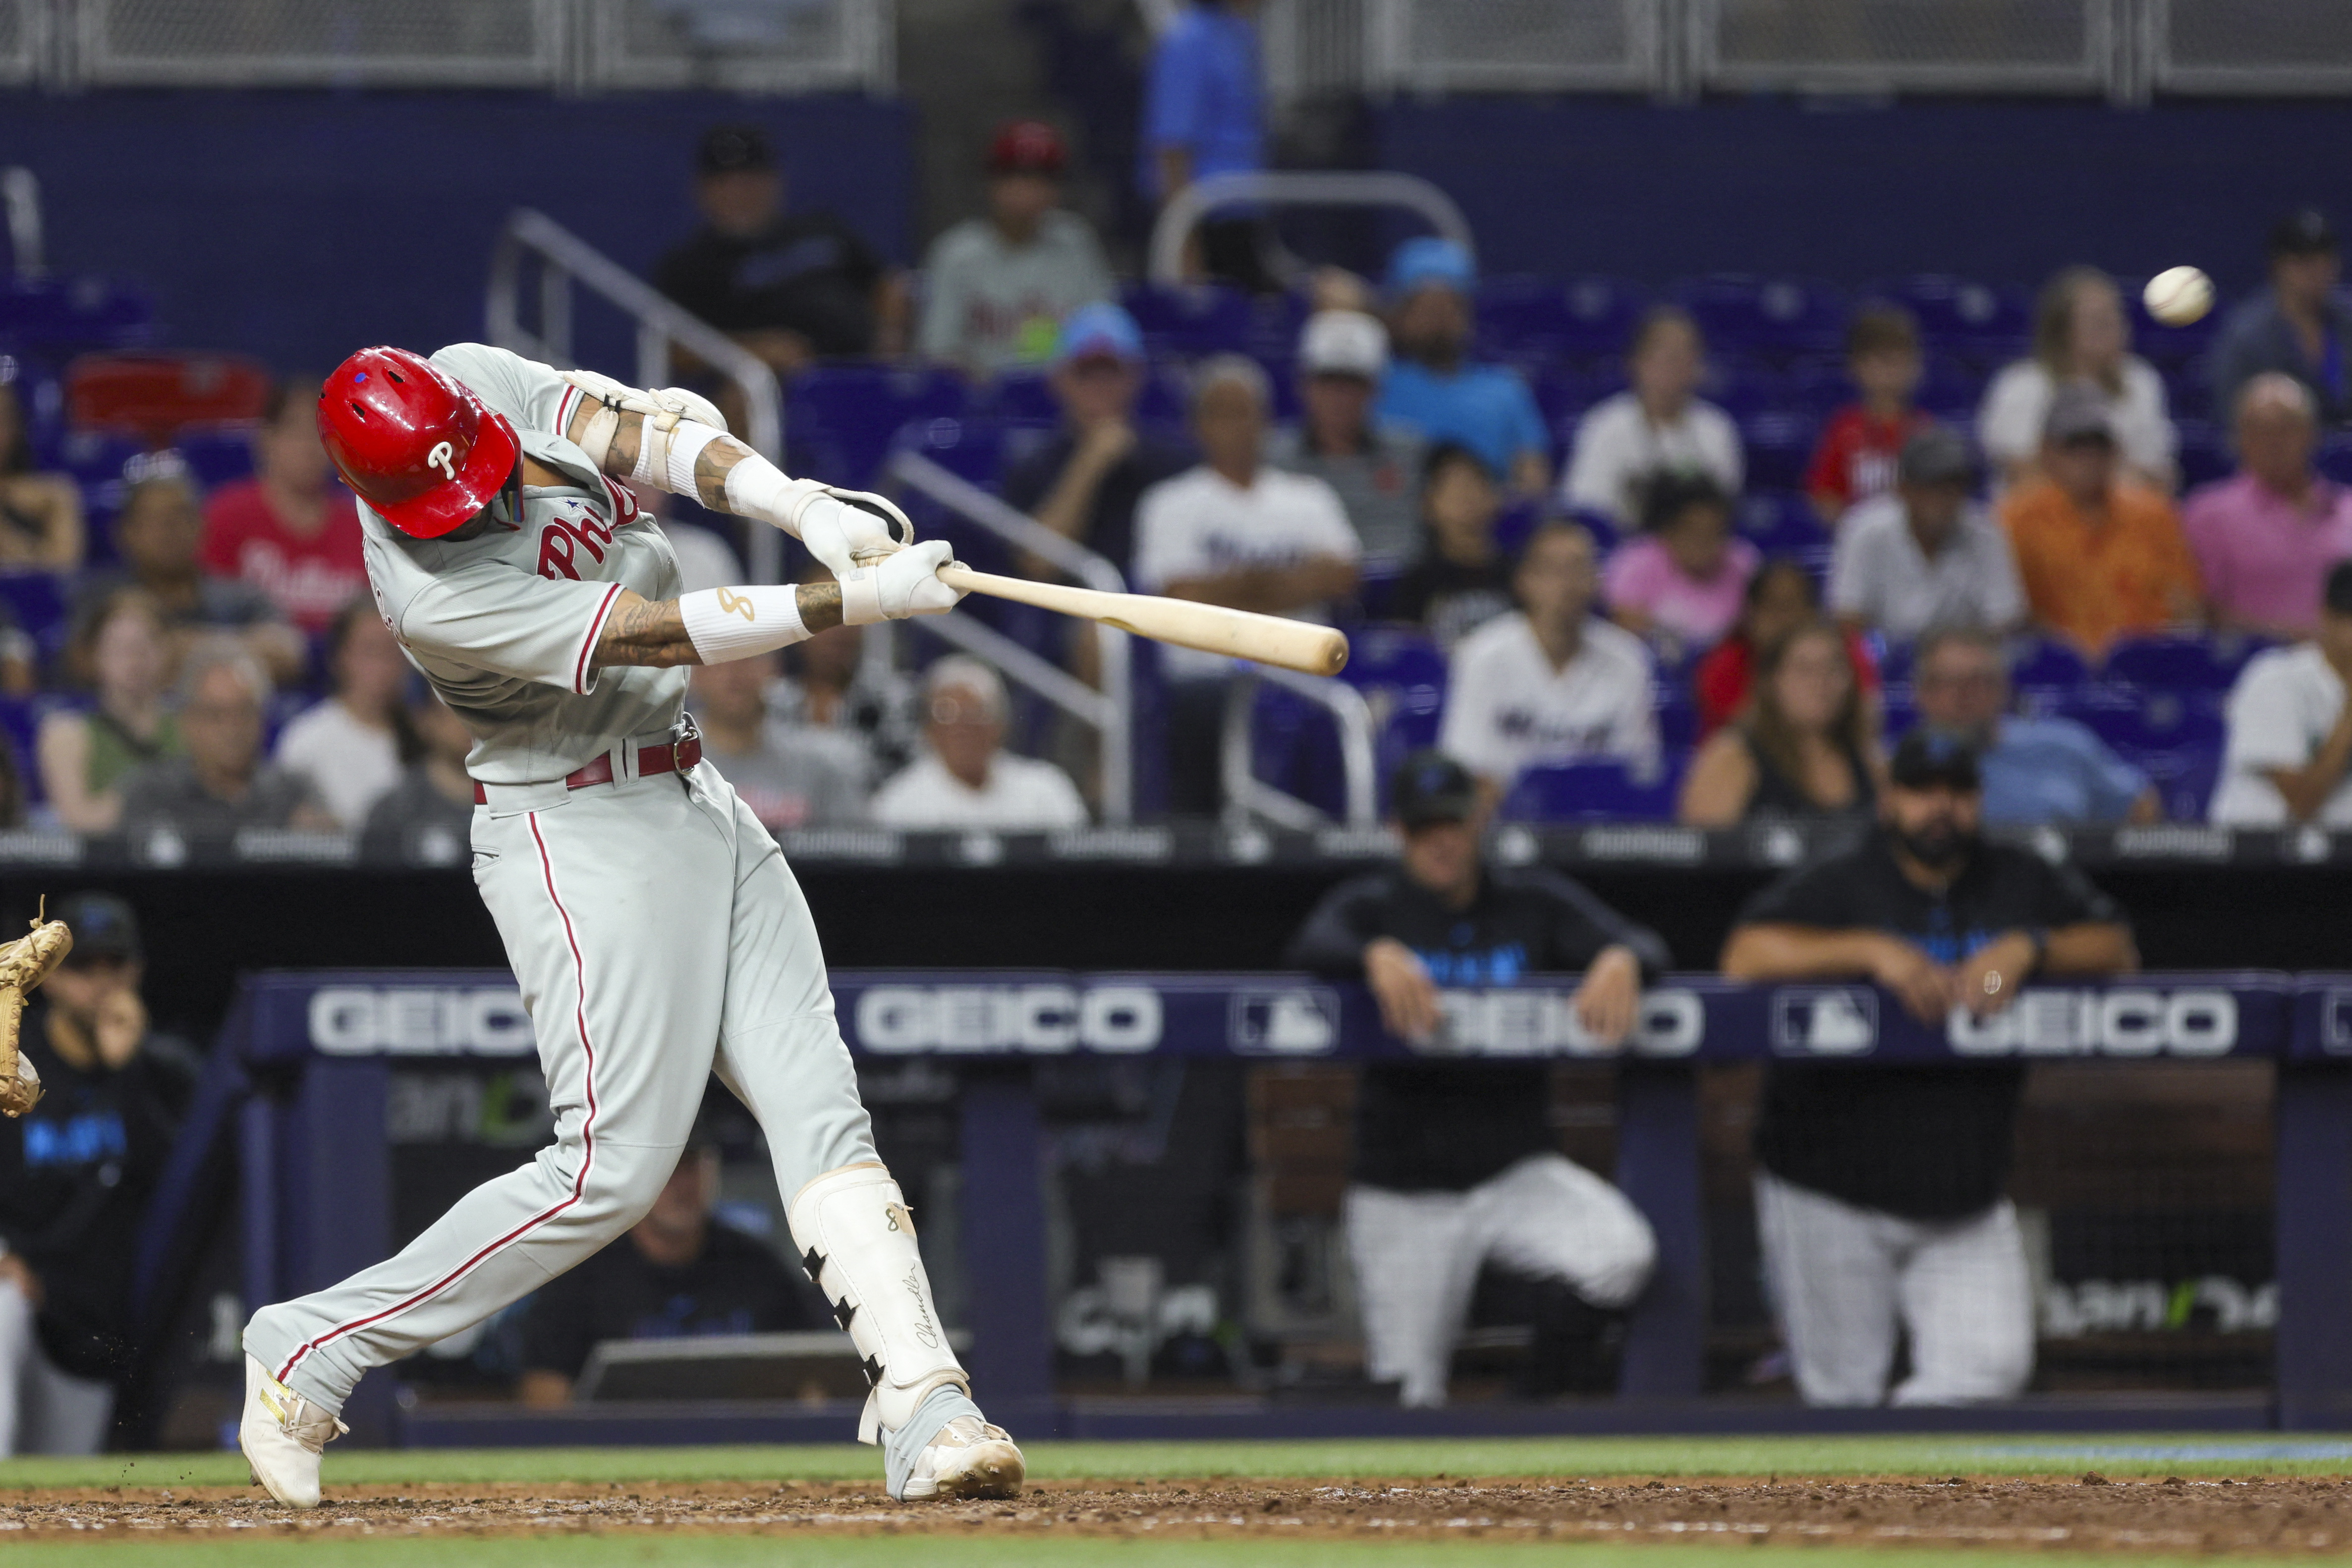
point(2295, 1515)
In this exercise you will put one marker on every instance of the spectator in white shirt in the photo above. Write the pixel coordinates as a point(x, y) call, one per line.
point(2079, 333)
point(2290, 747)
point(1236, 532)
point(1553, 683)
point(1927, 554)
point(352, 747)
point(1661, 424)
point(964, 776)
point(997, 288)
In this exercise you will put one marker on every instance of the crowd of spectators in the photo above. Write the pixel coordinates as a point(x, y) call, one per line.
point(1602, 582)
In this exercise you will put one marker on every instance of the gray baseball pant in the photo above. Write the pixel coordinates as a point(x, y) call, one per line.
point(657, 936)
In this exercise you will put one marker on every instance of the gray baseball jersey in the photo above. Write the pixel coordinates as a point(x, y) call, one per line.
point(504, 624)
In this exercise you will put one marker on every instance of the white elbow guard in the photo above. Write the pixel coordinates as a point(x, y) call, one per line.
point(726, 624)
point(665, 409)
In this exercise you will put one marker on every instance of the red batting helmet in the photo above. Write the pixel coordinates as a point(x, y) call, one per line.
point(417, 445)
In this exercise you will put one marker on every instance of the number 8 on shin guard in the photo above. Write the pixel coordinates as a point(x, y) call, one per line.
point(857, 1240)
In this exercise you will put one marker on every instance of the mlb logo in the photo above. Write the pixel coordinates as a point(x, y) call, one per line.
point(1826, 1021)
point(2335, 1021)
point(1300, 1022)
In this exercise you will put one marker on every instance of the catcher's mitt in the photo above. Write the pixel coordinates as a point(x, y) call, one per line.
point(24, 964)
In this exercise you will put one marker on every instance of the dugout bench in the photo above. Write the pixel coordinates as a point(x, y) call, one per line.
point(318, 1049)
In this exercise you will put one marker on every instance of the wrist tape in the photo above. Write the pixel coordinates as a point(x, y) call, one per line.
point(726, 624)
point(757, 487)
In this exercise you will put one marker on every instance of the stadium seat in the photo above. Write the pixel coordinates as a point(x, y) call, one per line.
point(41, 604)
point(1192, 322)
point(2132, 720)
point(2048, 666)
point(855, 409)
point(69, 314)
point(1743, 386)
point(1594, 791)
point(2184, 778)
point(1779, 446)
point(2169, 349)
point(1583, 319)
point(1780, 522)
point(1985, 324)
point(1402, 673)
point(153, 395)
point(219, 454)
point(974, 449)
point(1771, 315)
point(2183, 665)
point(2205, 453)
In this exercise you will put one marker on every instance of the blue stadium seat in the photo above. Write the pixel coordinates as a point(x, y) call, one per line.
point(855, 409)
point(2183, 665)
point(2184, 778)
point(2048, 666)
point(1780, 446)
point(2135, 721)
point(1952, 391)
point(1583, 319)
point(1984, 323)
point(42, 605)
point(2336, 458)
point(1593, 791)
point(217, 455)
point(2169, 349)
point(1021, 394)
point(974, 449)
point(1780, 522)
point(1773, 315)
point(75, 313)
point(1402, 673)
point(1563, 392)
point(1742, 385)
point(1191, 321)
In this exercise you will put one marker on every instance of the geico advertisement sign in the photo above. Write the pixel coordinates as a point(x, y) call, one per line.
point(1511, 1023)
point(1034, 1018)
point(2118, 1023)
point(420, 1021)
point(1843, 1021)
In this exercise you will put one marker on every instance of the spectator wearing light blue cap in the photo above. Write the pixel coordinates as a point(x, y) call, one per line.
point(1203, 114)
point(1083, 483)
point(1432, 386)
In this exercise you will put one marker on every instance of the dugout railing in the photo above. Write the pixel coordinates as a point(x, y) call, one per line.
point(302, 1069)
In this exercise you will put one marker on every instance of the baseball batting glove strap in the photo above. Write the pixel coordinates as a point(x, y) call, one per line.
point(905, 584)
point(24, 964)
point(857, 1240)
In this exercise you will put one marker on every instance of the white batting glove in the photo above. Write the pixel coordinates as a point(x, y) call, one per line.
point(844, 537)
point(669, 405)
point(906, 582)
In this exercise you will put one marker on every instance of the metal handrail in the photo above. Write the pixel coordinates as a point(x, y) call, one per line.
point(20, 189)
point(1248, 795)
point(1108, 711)
point(566, 259)
point(1285, 187)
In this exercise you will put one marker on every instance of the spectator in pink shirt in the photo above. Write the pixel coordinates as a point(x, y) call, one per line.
point(2265, 537)
point(1683, 578)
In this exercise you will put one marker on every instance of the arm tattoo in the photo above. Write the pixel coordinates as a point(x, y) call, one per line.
point(710, 466)
point(644, 633)
point(621, 456)
point(652, 634)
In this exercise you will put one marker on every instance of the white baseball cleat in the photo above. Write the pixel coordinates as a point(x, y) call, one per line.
point(968, 1459)
point(282, 1433)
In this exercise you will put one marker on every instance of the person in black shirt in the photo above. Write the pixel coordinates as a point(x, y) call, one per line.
point(1455, 1164)
point(76, 1173)
point(790, 289)
point(1462, 580)
point(1879, 1189)
point(677, 1273)
point(1085, 480)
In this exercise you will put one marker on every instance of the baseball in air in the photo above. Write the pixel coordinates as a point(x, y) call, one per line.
point(2178, 295)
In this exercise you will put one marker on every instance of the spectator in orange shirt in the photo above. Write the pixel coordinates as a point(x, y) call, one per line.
point(1855, 460)
point(2102, 557)
point(289, 530)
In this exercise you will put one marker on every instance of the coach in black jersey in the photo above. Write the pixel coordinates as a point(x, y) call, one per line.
point(1455, 1162)
point(1879, 1189)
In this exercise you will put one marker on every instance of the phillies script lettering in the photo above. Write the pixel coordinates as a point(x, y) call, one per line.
point(562, 541)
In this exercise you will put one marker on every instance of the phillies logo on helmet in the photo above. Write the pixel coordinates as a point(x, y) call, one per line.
point(414, 443)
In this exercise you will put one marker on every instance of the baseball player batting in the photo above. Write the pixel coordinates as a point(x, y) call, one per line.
point(653, 927)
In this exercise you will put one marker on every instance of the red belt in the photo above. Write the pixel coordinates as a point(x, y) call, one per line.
point(669, 757)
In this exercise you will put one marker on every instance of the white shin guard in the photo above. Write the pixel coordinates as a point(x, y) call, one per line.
point(857, 1240)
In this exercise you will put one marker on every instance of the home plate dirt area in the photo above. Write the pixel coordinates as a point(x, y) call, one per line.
point(2282, 1515)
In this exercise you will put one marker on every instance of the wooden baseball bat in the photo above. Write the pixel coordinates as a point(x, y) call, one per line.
point(1210, 628)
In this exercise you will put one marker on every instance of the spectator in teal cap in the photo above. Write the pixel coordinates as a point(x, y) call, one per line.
point(1435, 388)
point(1084, 480)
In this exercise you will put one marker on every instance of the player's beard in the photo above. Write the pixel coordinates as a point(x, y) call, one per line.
point(1940, 844)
